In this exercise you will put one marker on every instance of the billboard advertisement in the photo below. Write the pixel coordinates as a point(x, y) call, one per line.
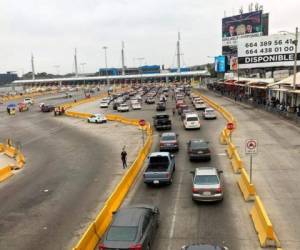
point(243, 25)
point(267, 51)
point(220, 64)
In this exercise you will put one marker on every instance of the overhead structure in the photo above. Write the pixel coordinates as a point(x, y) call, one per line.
point(178, 53)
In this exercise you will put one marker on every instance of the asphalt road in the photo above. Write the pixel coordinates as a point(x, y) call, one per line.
point(68, 176)
point(182, 220)
point(276, 171)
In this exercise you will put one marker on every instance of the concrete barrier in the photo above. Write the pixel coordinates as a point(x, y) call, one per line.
point(230, 149)
point(247, 189)
point(236, 162)
point(263, 225)
point(5, 173)
point(20, 158)
point(10, 151)
point(2, 148)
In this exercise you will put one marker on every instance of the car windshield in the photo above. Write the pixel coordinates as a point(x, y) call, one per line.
point(192, 119)
point(206, 180)
point(122, 233)
point(168, 138)
point(198, 144)
point(209, 111)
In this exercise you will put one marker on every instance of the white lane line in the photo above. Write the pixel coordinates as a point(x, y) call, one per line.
point(172, 229)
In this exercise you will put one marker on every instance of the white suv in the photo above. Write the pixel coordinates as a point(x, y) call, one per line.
point(191, 121)
point(97, 118)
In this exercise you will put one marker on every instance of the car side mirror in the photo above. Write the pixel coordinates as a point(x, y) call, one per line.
point(172, 156)
point(192, 172)
point(220, 171)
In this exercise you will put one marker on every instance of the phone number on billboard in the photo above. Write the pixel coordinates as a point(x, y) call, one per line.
point(269, 50)
point(269, 43)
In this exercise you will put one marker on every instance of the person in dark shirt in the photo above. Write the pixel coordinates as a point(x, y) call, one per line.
point(124, 158)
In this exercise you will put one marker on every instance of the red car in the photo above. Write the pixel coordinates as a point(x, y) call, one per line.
point(178, 103)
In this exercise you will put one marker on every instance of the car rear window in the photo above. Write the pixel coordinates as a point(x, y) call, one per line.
point(192, 119)
point(209, 111)
point(159, 159)
point(206, 180)
point(198, 144)
point(168, 137)
point(122, 233)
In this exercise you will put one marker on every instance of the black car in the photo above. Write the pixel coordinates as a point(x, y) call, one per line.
point(150, 100)
point(203, 247)
point(47, 108)
point(132, 228)
point(198, 150)
point(160, 106)
point(116, 105)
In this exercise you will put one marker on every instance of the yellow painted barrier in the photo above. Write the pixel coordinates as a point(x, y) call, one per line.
point(247, 189)
point(78, 114)
point(5, 173)
point(2, 148)
point(230, 149)
point(263, 225)
point(10, 151)
point(20, 158)
point(236, 162)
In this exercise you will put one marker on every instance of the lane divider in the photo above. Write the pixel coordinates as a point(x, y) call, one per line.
point(97, 228)
point(12, 152)
point(259, 216)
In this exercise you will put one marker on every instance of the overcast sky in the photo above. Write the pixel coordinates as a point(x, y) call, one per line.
point(51, 29)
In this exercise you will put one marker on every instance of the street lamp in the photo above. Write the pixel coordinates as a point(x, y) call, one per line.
point(105, 57)
point(82, 66)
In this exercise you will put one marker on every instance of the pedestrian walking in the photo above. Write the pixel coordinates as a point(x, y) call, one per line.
point(124, 158)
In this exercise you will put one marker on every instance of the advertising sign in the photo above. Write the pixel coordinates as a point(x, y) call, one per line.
point(243, 25)
point(220, 64)
point(267, 51)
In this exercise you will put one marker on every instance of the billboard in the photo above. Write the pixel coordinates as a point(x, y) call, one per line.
point(267, 51)
point(243, 25)
point(220, 64)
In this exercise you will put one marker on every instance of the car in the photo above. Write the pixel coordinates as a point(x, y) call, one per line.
point(169, 142)
point(136, 105)
point(209, 113)
point(191, 121)
point(198, 149)
point(181, 108)
point(97, 118)
point(162, 121)
point(207, 184)
point(22, 106)
point(123, 107)
point(178, 103)
point(161, 106)
point(150, 100)
point(131, 228)
point(203, 247)
point(184, 112)
point(160, 168)
point(200, 105)
point(47, 108)
point(104, 104)
point(28, 100)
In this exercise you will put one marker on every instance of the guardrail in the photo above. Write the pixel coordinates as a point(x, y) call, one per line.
point(263, 226)
point(97, 228)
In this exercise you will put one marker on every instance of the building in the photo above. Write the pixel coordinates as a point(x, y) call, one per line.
point(7, 78)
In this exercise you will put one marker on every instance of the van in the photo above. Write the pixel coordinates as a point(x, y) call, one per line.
point(191, 121)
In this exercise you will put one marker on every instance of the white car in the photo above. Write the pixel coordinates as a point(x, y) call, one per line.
point(104, 104)
point(200, 105)
point(123, 108)
point(136, 105)
point(191, 121)
point(209, 113)
point(97, 118)
point(28, 100)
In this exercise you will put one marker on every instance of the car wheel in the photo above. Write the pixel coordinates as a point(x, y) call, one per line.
point(174, 168)
point(170, 181)
point(88, 121)
point(148, 246)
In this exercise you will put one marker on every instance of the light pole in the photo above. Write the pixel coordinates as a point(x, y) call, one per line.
point(105, 57)
point(82, 66)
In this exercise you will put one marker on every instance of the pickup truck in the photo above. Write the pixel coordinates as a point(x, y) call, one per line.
point(162, 121)
point(160, 169)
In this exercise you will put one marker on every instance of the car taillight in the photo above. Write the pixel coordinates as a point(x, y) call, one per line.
point(102, 247)
point(161, 144)
point(195, 190)
point(136, 247)
point(167, 175)
point(219, 190)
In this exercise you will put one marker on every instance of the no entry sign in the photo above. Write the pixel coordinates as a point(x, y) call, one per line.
point(142, 123)
point(230, 126)
point(251, 146)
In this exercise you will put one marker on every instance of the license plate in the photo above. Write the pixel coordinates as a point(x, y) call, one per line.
point(200, 152)
point(156, 182)
point(206, 193)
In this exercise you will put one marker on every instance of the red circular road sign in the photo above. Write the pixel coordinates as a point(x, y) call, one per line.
point(230, 126)
point(142, 122)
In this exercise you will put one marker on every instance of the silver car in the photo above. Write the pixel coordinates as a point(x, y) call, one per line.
point(207, 184)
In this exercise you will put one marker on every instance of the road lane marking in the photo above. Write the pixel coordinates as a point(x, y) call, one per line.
point(172, 229)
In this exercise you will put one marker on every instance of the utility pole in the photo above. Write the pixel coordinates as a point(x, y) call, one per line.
point(75, 61)
point(123, 59)
point(105, 58)
point(82, 66)
point(32, 67)
point(178, 53)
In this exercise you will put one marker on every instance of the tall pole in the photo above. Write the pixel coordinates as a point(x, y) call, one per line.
point(82, 66)
point(105, 58)
point(32, 67)
point(123, 60)
point(75, 61)
point(178, 53)
point(295, 58)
